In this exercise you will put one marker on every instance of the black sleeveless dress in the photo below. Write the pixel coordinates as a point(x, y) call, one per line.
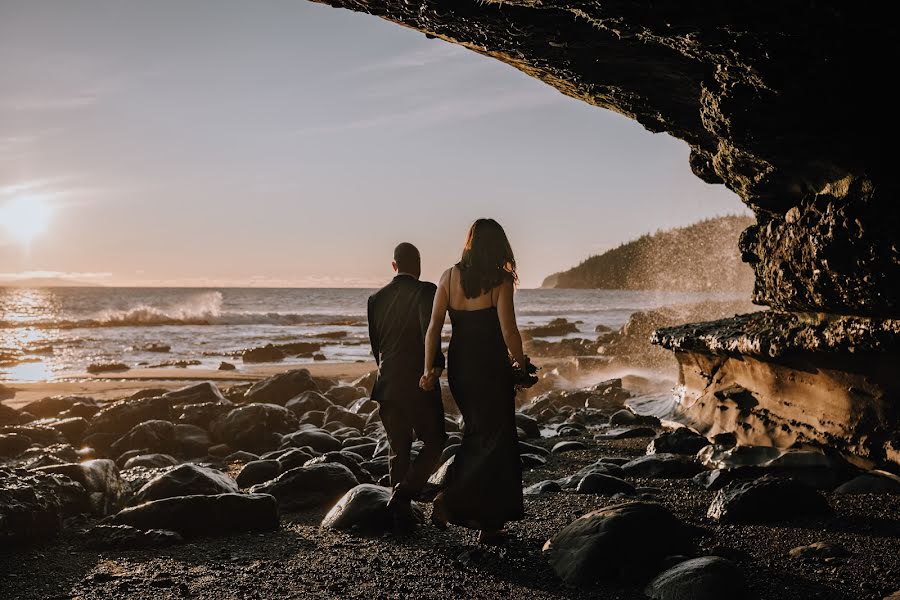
point(482, 488)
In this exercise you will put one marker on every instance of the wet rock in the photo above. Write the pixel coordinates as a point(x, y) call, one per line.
point(572, 445)
point(125, 537)
point(363, 406)
point(542, 487)
point(663, 466)
point(531, 461)
point(185, 480)
point(624, 433)
point(13, 444)
point(52, 406)
point(344, 395)
point(6, 393)
point(716, 479)
point(309, 486)
point(627, 417)
point(107, 367)
point(150, 461)
point(526, 448)
point(255, 427)
point(766, 499)
point(267, 353)
point(317, 439)
point(704, 578)
point(529, 425)
point(258, 471)
point(198, 393)
point(343, 458)
point(204, 414)
point(72, 428)
point(121, 416)
point(293, 457)
point(99, 478)
point(818, 551)
point(719, 457)
point(10, 416)
point(342, 415)
point(364, 508)
point(55, 454)
point(281, 388)
point(624, 542)
point(45, 436)
point(33, 504)
point(203, 515)
point(556, 327)
point(680, 441)
point(226, 366)
point(597, 483)
point(872, 482)
point(152, 436)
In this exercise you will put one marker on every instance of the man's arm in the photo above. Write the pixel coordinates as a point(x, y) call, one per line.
point(425, 306)
point(373, 331)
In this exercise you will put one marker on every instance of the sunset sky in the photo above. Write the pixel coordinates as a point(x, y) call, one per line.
point(286, 143)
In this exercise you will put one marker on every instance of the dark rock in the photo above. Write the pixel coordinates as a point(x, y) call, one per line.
point(873, 482)
point(716, 479)
point(125, 537)
point(364, 508)
point(119, 417)
point(556, 327)
point(366, 381)
point(99, 478)
point(529, 425)
point(45, 436)
point(33, 504)
point(704, 578)
point(226, 366)
point(663, 466)
point(561, 447)
point(203, 515)
point(151, 436)
point(310, 486)
point(624, 433)
point(627, 417)
point(317, 439)
point(52, 406)
point(526, 448)
point(258, 471)
point(344, 458)
point(13, 444)
point(363, 406)
point(204, 414)
point(6, 393)
point(344, 395)
point(719, 457)
point(106, 367)
point(624, 542)
point(240, 457)
point(542, 487)
point(530, 461)
point(10, 416)
point(267, 353)
point(597, 483)
point(282, 387)
point(766, 499)
point(819, 551)
point(255, 427)
point(198, 393)
point(55, 454)
point(150, 461)
point(680, 441)
point(185, 480)
point(342, 415)
point(72, 428)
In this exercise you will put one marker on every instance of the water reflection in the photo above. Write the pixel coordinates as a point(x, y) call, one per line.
point(27, 371)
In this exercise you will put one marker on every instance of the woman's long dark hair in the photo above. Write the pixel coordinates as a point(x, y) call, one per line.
point(487, 259)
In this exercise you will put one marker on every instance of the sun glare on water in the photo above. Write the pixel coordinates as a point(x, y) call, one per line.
point(24, 218)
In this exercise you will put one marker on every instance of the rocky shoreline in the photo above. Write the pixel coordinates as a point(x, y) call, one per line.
point(272, 490)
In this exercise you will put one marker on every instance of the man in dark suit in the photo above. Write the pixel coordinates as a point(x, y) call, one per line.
point(399, 314)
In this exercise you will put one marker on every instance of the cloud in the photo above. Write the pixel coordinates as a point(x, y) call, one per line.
point(66, 275)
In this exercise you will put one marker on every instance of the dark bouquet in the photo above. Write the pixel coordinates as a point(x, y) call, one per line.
point(524, 376)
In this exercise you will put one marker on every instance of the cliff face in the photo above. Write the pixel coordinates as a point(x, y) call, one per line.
point(782, 102)
point(699, 257)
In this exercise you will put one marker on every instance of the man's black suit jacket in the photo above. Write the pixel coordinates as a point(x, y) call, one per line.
point(399, 314)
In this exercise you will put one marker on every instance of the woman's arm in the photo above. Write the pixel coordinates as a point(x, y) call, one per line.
point(506, 311)
point(433, 335)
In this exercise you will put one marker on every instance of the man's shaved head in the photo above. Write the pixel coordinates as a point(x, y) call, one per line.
point(407, 259)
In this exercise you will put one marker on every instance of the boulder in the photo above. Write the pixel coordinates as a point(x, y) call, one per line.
point(317, 439)
point(766, 499)
point(556, 327)
point(281, 388)
point(623, 542)
point(9, 415)
point(344, 416)
point(152, 436)
point(226, 366)
point(308, 401)
point(344, 395)
point(121, 416)
point(13, 444)
point(150, 461)
point(95, 368)
point(290, 458)
point(55, 454)
point(203, 515)
point(203, 414)
point(597, 483)
point(309, 486)
point(99, 478)
point(531, 461)
point(542, 487)
point(529, 425)
point(33, 504)
point(52, 406)
point(44, 436)
point(561, 447)
point(366, 381)
point(365, 508)
point(255, 427)
point(663, 466)
point(723, 457)
point(258, 471)
point(267, 353)
point(680, 441)
point(716, 479)
point(185, 480)
point(627, 417)
point(198, 393)
point(72, 428)
point(872, 482)
point(343, 458)
point(125, 537)
point(704, 578)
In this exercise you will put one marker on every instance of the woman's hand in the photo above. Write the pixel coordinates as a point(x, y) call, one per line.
point(429, 379)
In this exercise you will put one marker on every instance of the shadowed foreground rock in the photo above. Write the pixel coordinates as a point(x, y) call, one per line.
point(625, 542)
point(705, 578)
point(185, 480)
point(310, 486)
point(193, 516)
point(364, 508)
point(766, 499)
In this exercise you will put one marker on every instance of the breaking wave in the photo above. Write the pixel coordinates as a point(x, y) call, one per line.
point(200, 309)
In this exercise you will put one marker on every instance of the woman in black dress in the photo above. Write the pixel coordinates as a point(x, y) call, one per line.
point(483, 486)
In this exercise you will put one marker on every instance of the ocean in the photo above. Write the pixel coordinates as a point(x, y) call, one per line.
point(55, 333)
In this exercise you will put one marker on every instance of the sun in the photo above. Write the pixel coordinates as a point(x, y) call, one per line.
point(25, 217)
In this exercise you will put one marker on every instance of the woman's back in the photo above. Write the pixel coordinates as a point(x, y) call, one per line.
point(457, 299)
